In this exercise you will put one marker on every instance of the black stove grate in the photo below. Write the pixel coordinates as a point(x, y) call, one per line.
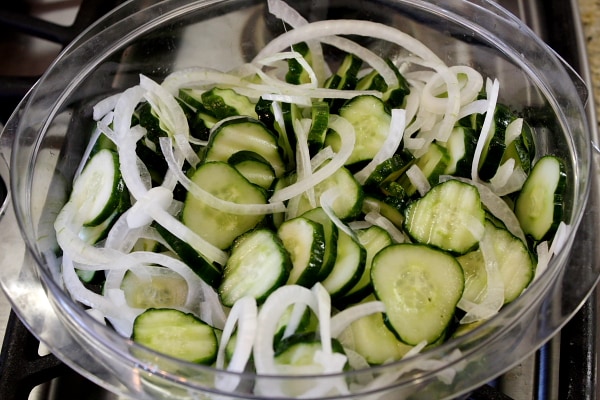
point(16, 17)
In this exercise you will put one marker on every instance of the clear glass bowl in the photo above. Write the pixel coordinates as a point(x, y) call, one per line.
point(43, 142)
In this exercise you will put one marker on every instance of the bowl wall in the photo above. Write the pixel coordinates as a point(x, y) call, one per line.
point(52, 126)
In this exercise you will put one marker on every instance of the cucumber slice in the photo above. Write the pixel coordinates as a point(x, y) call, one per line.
point(206, 270)
point(330, 232)
point(390, 169)
point(348, 268)
point(318, 127)
point(163, 288)
point(433, 163)
point(176, 334)
point(450, 217)
point(305, 241)
point(241, 134)
point(473, 266)
point(345, 78)
point(371, 338)
point(461, 148)
point(420, 287)
point(515, 262)
point(299, 350)
point(296, 74)
point(539, 206)
point(258, 265)
point(223, 103)
point(373, 239)
point(254, 168)
point(98, 190)
point(348, 205)
point(389, 206)
point(215, 226)
point(371, 120)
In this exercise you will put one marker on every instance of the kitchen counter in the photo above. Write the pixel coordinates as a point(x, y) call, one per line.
point(590, 17)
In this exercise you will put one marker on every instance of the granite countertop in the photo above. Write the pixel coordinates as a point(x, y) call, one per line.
point(590, 18)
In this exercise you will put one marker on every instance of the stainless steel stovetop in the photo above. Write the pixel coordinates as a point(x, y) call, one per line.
point(557, 22)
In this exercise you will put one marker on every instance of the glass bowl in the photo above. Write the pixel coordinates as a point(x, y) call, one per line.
point(44, 140)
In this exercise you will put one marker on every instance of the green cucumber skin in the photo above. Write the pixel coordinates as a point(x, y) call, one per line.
point(176, 333)
point(527, 203)
point(207, 271)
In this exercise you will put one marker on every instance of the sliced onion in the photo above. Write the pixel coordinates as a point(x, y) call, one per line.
point(375, 218)
point(347, 136)
point(418, 179)
point(104, 106)
point(493, 299)
point(184, 233)
point(321, 29)
point(268, 317)
point(327, 200)
point(243, 315)
point(474, 107)
point(207, 197)
point(67, 236)
point(343, 319)
point(492, 96)
point(171, 116)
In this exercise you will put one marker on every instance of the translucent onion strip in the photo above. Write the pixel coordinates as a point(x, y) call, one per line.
point(492, 89)
point(347, 137)
point(207, 197)
point(242, 319)
point(343, 319)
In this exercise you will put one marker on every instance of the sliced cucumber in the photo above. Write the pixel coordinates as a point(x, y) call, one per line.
point(330, 232)
point(461, 148)
point(244, 134)
point(473, 266)
point(206, 270)
point(433, 163)
point(296, 74)
point(371, 120)
point(539, 206)
point(319, 126)
point(346, 206)
point(223, 103)
point(253, 167)
point(98, 190)
point(305, 242)
point(299, 350)
point(373, 239)
point(450, 216)
point(420, 287)
point(161, 288)
point(515, 263)
point(345, 78)
point(390, 169)
point(371, 338)
point(348, 268)
point(388, 206)
point(176, 334)
point(258, 264)
point(216, 226)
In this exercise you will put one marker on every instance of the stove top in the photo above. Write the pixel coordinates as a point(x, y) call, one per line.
point(33, 32)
